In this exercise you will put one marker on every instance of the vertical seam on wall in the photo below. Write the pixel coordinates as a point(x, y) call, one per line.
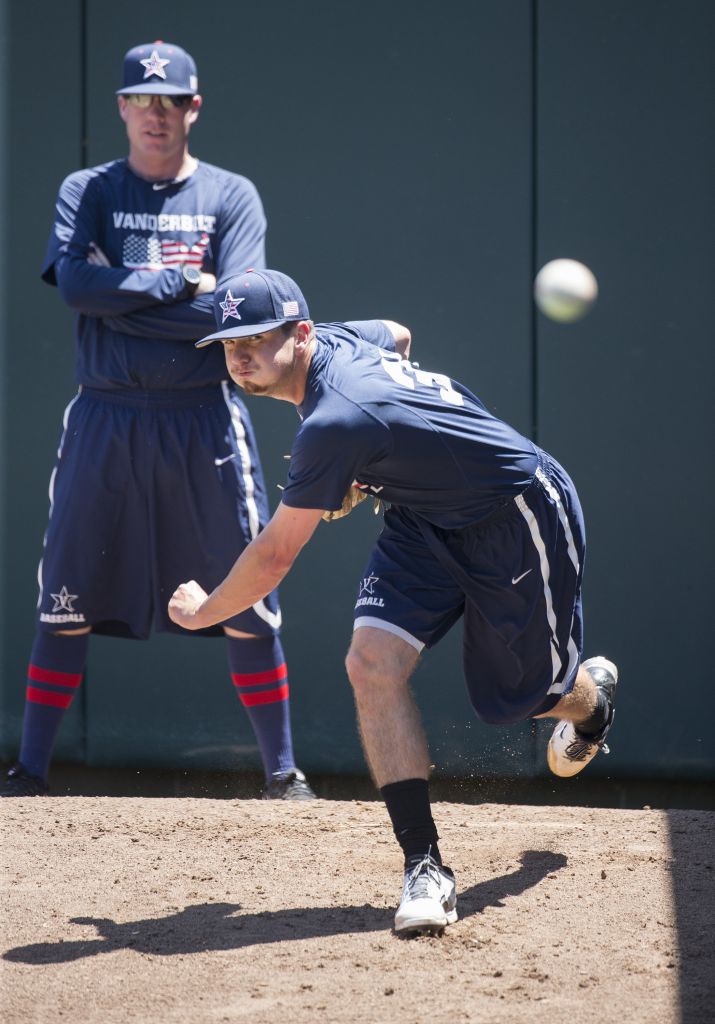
point(5, 227)
point(534, 731)
point(83, 162)
point(83, 140)
point(534, 216)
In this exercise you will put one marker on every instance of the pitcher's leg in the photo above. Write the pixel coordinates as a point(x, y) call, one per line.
point(586, 716)
point(379, 665)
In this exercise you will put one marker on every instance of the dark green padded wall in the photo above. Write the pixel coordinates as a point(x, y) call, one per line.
point(40, 144)
point(625, 183)
point(4, 50)
point(395, 186)
point(393, 145)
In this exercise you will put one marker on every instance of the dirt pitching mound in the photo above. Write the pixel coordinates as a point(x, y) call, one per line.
point(194, 910)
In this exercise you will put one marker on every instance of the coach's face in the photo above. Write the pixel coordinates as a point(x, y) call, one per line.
point(157, 130)
point(273, 363)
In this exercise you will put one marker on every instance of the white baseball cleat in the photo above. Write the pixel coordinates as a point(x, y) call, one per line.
point(429, 898)
point(569, 751)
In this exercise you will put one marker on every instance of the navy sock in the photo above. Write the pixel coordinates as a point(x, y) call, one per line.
point(53, 678)
point(408, 805)
point(260, 675)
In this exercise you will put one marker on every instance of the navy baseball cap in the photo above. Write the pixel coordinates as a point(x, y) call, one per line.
point(254, 302)
point(159, 69)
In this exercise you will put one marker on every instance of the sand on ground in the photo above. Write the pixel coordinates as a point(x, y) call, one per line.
point(208, 911)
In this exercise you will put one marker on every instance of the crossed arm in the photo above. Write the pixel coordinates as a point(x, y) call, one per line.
point(260, 568)
point(180, 320)
point(156, 303)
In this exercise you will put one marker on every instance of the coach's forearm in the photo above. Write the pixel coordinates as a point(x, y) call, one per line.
point(112, 291)
point(188, 320)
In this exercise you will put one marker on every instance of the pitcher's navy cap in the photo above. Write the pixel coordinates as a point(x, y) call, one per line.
point(254, 302)
point(160, 69)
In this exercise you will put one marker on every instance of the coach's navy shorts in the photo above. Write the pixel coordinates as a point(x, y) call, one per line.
point(516, 579)
point(150, 489)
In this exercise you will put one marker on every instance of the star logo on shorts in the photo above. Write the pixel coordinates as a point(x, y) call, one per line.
point(154, 65)
point(230, 307)
point(367, 585)
point(63, 601)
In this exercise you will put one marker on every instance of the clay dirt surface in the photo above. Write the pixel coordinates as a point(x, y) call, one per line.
point(204, 911)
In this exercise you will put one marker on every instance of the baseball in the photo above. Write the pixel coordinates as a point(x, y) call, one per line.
point(565, 290)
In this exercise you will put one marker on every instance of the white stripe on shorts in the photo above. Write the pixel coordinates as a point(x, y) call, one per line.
point(556, 498)
point(545, 570)
point(553, 493)
point(51, 491)
point(239, 433)
point(273, 619)
point(389, 627)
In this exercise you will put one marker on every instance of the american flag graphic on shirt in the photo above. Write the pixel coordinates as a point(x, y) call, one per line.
point(152, 253)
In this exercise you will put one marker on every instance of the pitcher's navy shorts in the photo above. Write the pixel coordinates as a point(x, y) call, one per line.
point(516, 580)
point(150, 489)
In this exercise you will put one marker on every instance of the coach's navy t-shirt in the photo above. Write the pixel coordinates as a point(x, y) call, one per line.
point(137, 320)
point(411, 436)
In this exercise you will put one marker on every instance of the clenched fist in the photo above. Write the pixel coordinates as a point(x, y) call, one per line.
point(186, 603)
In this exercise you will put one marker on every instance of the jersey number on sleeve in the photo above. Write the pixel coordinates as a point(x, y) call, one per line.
point(405, 373)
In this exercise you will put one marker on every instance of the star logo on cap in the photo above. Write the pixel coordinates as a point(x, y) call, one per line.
point(63, 601)
point(154, 65)
point(230, 307)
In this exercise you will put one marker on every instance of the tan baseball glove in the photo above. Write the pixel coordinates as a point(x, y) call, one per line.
point(351, 499)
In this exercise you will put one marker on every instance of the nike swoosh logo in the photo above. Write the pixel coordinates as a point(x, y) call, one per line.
point(514, 581)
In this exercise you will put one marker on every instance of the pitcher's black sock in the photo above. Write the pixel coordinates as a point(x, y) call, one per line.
point(408, 805)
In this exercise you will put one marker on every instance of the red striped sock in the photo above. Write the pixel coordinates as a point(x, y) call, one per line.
point(260, 676)
point(53, 678)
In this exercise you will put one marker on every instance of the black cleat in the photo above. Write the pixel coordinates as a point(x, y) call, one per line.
point(19, 782)
point(289, 785)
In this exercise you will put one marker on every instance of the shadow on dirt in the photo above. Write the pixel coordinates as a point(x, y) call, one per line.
point(208, 927)
point(691, 948)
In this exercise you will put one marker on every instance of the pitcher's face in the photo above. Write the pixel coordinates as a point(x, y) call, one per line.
point(262, 364)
